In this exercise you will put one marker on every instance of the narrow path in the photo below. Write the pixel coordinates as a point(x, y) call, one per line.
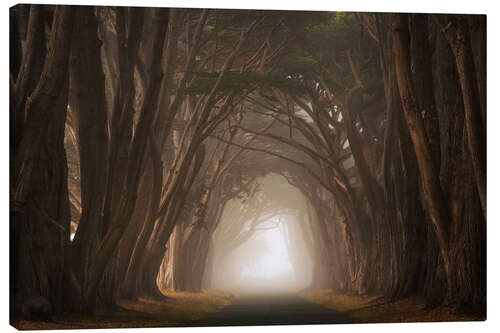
point(279, 309)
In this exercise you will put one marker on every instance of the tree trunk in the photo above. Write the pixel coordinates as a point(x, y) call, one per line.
point(433, 196)
point(90, 107)
point(119, 224)
point(29, 71)
point(456, 30)
point(39, 196)
point(421, 66)
point(122, 114)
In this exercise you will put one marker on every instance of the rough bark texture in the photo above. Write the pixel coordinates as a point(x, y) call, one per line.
point(39, 195)
point(87, 83)
point(457, 33)
point(433, 196)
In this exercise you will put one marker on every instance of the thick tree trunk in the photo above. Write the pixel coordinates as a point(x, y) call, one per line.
point(128, 288)
point(119, 224)
point(192, 260)
point(154, 252)
point(29, 71)
point(89, 105)
point(421, 66)
point(433, 196)
point(18, 24)
point(410, 262)
point(456, 30)
point(39, 196)
point(122, 114)
point(459, 186)
point(477, 24)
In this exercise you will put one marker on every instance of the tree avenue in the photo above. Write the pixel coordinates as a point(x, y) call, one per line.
point(141, 140)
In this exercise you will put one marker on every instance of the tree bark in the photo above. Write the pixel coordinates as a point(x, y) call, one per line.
point(433, 196)
point(39, 196)
point(29, 72)
point(90, 108)
point(456, 30)
point(119, 224)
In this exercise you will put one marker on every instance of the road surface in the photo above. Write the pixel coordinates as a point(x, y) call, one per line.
point(279, 309)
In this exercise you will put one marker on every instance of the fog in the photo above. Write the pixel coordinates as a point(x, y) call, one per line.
point(266, 251)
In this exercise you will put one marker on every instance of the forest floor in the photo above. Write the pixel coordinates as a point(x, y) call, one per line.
point(204, 309)
point(277, 308)
point(363, 309)
point(180, 309)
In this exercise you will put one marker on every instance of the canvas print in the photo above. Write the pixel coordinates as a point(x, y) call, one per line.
point(215, 167)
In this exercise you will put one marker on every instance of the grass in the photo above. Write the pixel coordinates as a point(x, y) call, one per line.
point(183, 308)
point(179, 309)
point(372, 309)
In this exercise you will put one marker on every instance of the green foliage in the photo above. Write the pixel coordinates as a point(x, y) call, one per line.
point(318, 39)
point(297, 63)
point(240, 82)
point(338, 29)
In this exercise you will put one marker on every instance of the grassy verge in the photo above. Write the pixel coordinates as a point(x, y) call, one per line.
point(179, 309)
point(364, 309)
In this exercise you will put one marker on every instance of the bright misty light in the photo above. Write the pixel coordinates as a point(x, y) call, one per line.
point(263, 263)
point(275, 262)
point(263, 256)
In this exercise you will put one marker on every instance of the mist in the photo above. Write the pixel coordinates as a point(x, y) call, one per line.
point(176, 162)
point(271, 256)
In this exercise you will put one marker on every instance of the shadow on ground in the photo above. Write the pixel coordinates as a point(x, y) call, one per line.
point(273, 309)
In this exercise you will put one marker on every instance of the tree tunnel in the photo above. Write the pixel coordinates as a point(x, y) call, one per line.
point(266, 249)
point(157, 149)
